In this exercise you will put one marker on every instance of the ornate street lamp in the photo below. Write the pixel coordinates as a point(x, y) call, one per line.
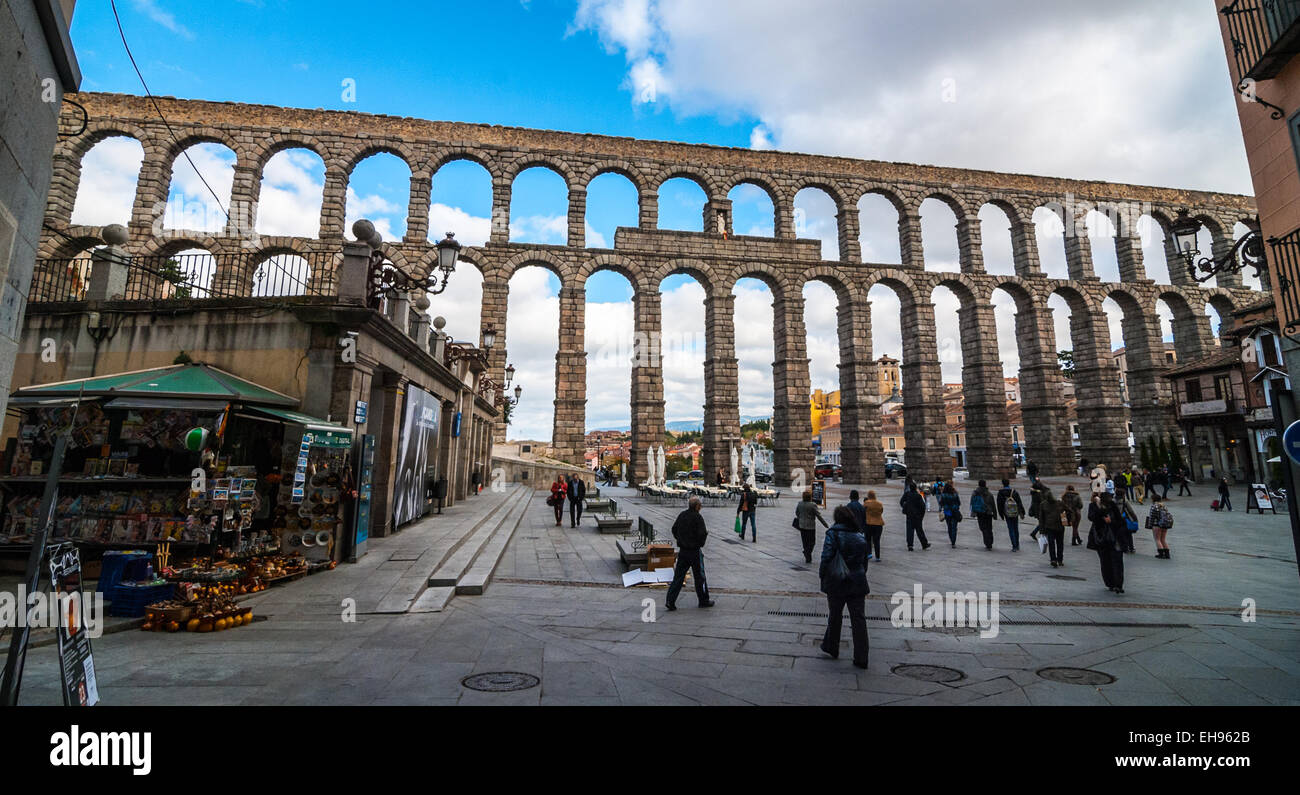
point(510, 374)
point(489, 336)
point(1248, 251)
point(384, 276)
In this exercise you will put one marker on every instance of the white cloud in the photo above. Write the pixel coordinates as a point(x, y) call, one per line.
point(552, 229)
point(470, 230)
point(1109, 90)
point(163, 17)
point(293, 184)
point(532, 338)
point(190, 205)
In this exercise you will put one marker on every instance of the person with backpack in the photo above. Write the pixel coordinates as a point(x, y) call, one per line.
point(1051, 522)
point(1128, 528)
point(983, 508)
point(1010, 508)
point(950, 504)
point(914, 511)
point(1104, 539)
point(1159, 522)
point(745, 509)
point(843, 574)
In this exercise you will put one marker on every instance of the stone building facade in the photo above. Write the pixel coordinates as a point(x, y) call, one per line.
point(645, 255)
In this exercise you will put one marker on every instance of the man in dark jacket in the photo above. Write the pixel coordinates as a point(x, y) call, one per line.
point(690, 532)
point(913, 506)
point(577, 492)
point(745, 508)
point(1009, 496)
point(843, 539)
point(859, 512)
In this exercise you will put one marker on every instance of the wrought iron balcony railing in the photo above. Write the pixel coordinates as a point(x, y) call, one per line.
point(1285, 273)
point(1265, 35)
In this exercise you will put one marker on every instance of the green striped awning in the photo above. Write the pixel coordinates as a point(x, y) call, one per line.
point(193, 381)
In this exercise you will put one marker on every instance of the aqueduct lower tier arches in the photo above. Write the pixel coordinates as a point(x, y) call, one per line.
point(717, 257)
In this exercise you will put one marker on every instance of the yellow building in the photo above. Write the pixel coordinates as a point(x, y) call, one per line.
point(824, 404)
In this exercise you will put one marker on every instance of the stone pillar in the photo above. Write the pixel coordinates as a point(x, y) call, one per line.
point(1103, 419)
point(647, 383)
point(109, 271)
point(850, 232)
point(861, 453)
point(245, 191)
point(417, 209)
point(501, 187)
point(150, 203)
point(400, 302)
point(792, 451)
point(925, 429)
point(577, 217)
point(648, 210)
point(1192, 336)
point(1078, 249)
point(64, 181)
point(420, 330)
point(970, 247)
point(1176, 264)
point(1128, 252)
point(713, 208)
point(783, 219)
point(909, 241)
point(1042, 400)
point(1220, 248)
point(988, 431)
point(721, 387)
point(333, 205)
point(496, 298)
point(1024, 250)
point(1150, 397)
point(570, 420)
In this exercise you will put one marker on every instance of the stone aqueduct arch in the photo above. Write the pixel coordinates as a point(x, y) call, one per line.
point(646, 255)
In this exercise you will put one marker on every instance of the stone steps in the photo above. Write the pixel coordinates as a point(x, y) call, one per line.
point(460, 560)
point(475, 581)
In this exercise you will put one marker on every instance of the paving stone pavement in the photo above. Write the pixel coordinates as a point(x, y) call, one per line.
point(556, 610)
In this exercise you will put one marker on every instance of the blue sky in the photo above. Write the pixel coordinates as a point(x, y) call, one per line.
point(1112, 90)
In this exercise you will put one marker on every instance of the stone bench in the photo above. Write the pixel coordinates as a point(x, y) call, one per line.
point(631, 552)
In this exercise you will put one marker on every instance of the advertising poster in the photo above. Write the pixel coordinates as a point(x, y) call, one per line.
point(415, 451)
point(76, 666)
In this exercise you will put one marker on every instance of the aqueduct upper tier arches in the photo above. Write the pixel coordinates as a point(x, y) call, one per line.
point(646, 254)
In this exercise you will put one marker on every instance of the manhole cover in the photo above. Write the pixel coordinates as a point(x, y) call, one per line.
point(1076, 676)
point(1066, 577)
point(929, 673)
point(500, 681)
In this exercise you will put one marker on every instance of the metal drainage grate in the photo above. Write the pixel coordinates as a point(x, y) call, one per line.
point(1066, 577)
point(929, 673)
point(500, 681)
point(1008, 622)
point(952, 630)
point(796, 613)
point(1076, 676)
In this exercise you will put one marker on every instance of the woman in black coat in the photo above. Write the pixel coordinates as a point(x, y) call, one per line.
point(844, 539)
point(1107, 537)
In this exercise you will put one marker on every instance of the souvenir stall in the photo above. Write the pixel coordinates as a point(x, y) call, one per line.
point(215, 482)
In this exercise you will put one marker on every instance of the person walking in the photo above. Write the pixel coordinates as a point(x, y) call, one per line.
point(1010, 508)
point(875, 522)
point(1103, 537)
point(1128, 484)
point(1032, 470)
point(984, 508)
point(950, 504)
point(1051, 522)
point(1140, 484)
point(556, 500)
point(1165, 480)
point(859, 513)
point(577, 491)
point(1225, 495)
point(1129, 528)
point(690, 532)
point(476, 482)
point(843, 574)
point(1184, 476)
point(1034, 498)
point(806, 517)
point(1072, 502)
point(914, 511)
point(1159, 522)
point(746, 508)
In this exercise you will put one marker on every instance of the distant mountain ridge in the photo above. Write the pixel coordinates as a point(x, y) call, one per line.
point(682, 426)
